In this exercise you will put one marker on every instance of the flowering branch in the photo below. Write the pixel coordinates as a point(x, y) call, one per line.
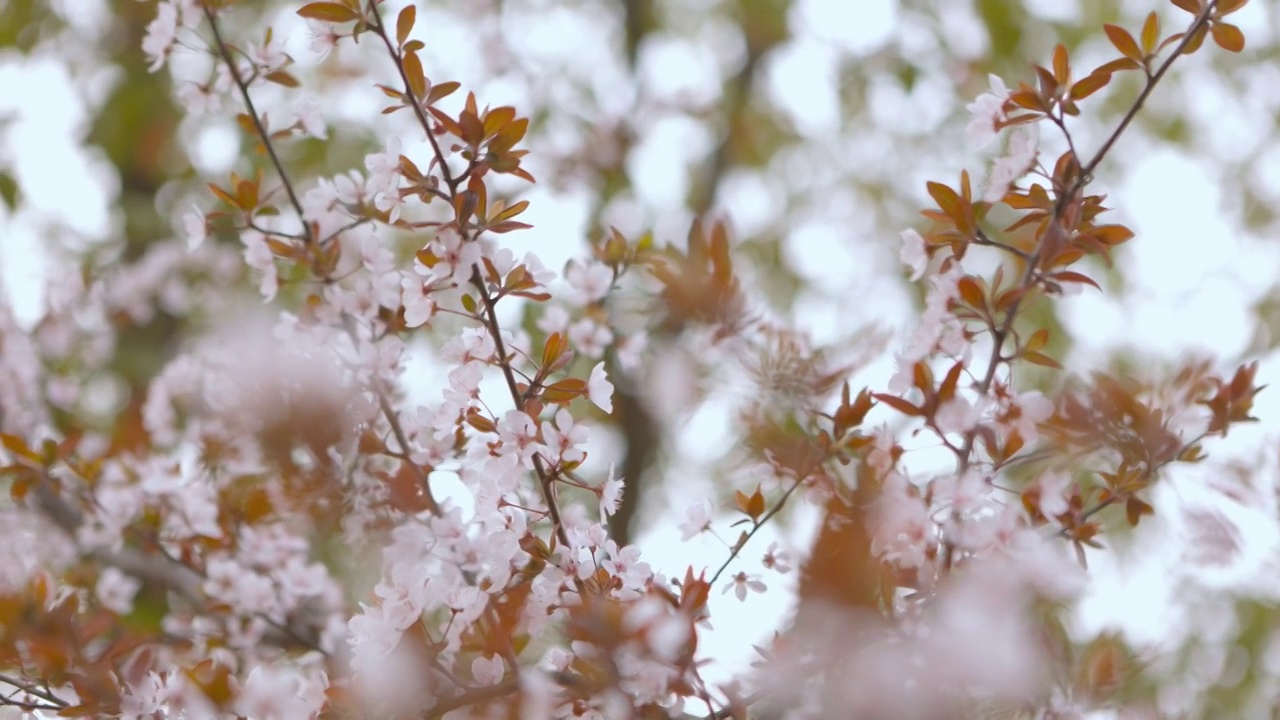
point(489, 317)
point(263, 135)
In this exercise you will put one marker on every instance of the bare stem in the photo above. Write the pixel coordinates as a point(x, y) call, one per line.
point(263, 135)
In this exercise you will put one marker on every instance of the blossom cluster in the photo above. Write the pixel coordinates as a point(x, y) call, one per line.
point(277, 528)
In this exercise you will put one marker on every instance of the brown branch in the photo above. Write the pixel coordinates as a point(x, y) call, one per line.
point(384, 403)
point(999, 335)
point(472, 697)
point(54, 701)
point(1087, 169)
point(742, 543)
point(225, 52)
point(490, 317)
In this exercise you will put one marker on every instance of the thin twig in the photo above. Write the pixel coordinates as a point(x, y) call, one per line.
point(384, 403)
point(1087, 169)
point(257, 121)
point(742, 542)
point(489, 317)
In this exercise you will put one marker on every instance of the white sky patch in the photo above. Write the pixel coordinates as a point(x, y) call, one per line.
point(920, 111)
point(1055, 10)
point(214, 147)
point(859, 28)
point(59, 177)
point(1180, 237)
point(823, 253)
point(802, 80)
point(681, 70)
point(559, 221)
point(659, 165)
point(706, 434)
point(751, 201)
point(966, 34)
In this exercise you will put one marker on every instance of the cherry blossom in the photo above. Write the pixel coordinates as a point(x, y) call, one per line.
point(115, 590)
point(488, 670)
point(161, 33)
point(1019, 157)
point(913, 254)
point(333, 529)
point(323, 38)
point(611, 494)
point(988, 113)
point(306, 111)
point(599, 389)
point(697, 519)
point(195, 226)
point(564, 439)
point(742, 583)
point(590, 281)
point(777, 559)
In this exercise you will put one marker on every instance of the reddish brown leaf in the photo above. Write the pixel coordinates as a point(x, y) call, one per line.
point(328, 12)
point(1123, 41)
point(413, 71)
point(1196, 40)
point(1090, 85)
point(404, 23)
point(1036, 358)
point(1228, 37)
point(1061, 65)
point(1150, 33)
point(898, 404)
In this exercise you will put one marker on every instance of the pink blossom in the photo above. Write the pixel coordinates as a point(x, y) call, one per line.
point(405, 595)
point(115, 590)
point(1026, 412)
point(590, 281)
point(1019, 158)
point(554, 318)
point(198, 98)
point(279, 692)
point(418, 306)
point(488, 670)
point(1053, 492)
point(901, 528)
point(258, 256)
point(589, 337)
point(599, 389)
point(269, 57)
point(625, 565)
point(630, 350)
point(195, 226)
point(956, 415)
point(564, 439)
point(371, 637)
point(470, 344)
point(306, 111)
point(777, 559)
point(742, 582)
point(610, 494)
point(988, 113)
point(913, 253)
point(323, 38)
point(518, 434)
point(142, 698)
point(697, 519)
point(161, 33)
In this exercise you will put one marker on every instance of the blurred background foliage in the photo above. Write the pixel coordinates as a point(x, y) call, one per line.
point(811, 126)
